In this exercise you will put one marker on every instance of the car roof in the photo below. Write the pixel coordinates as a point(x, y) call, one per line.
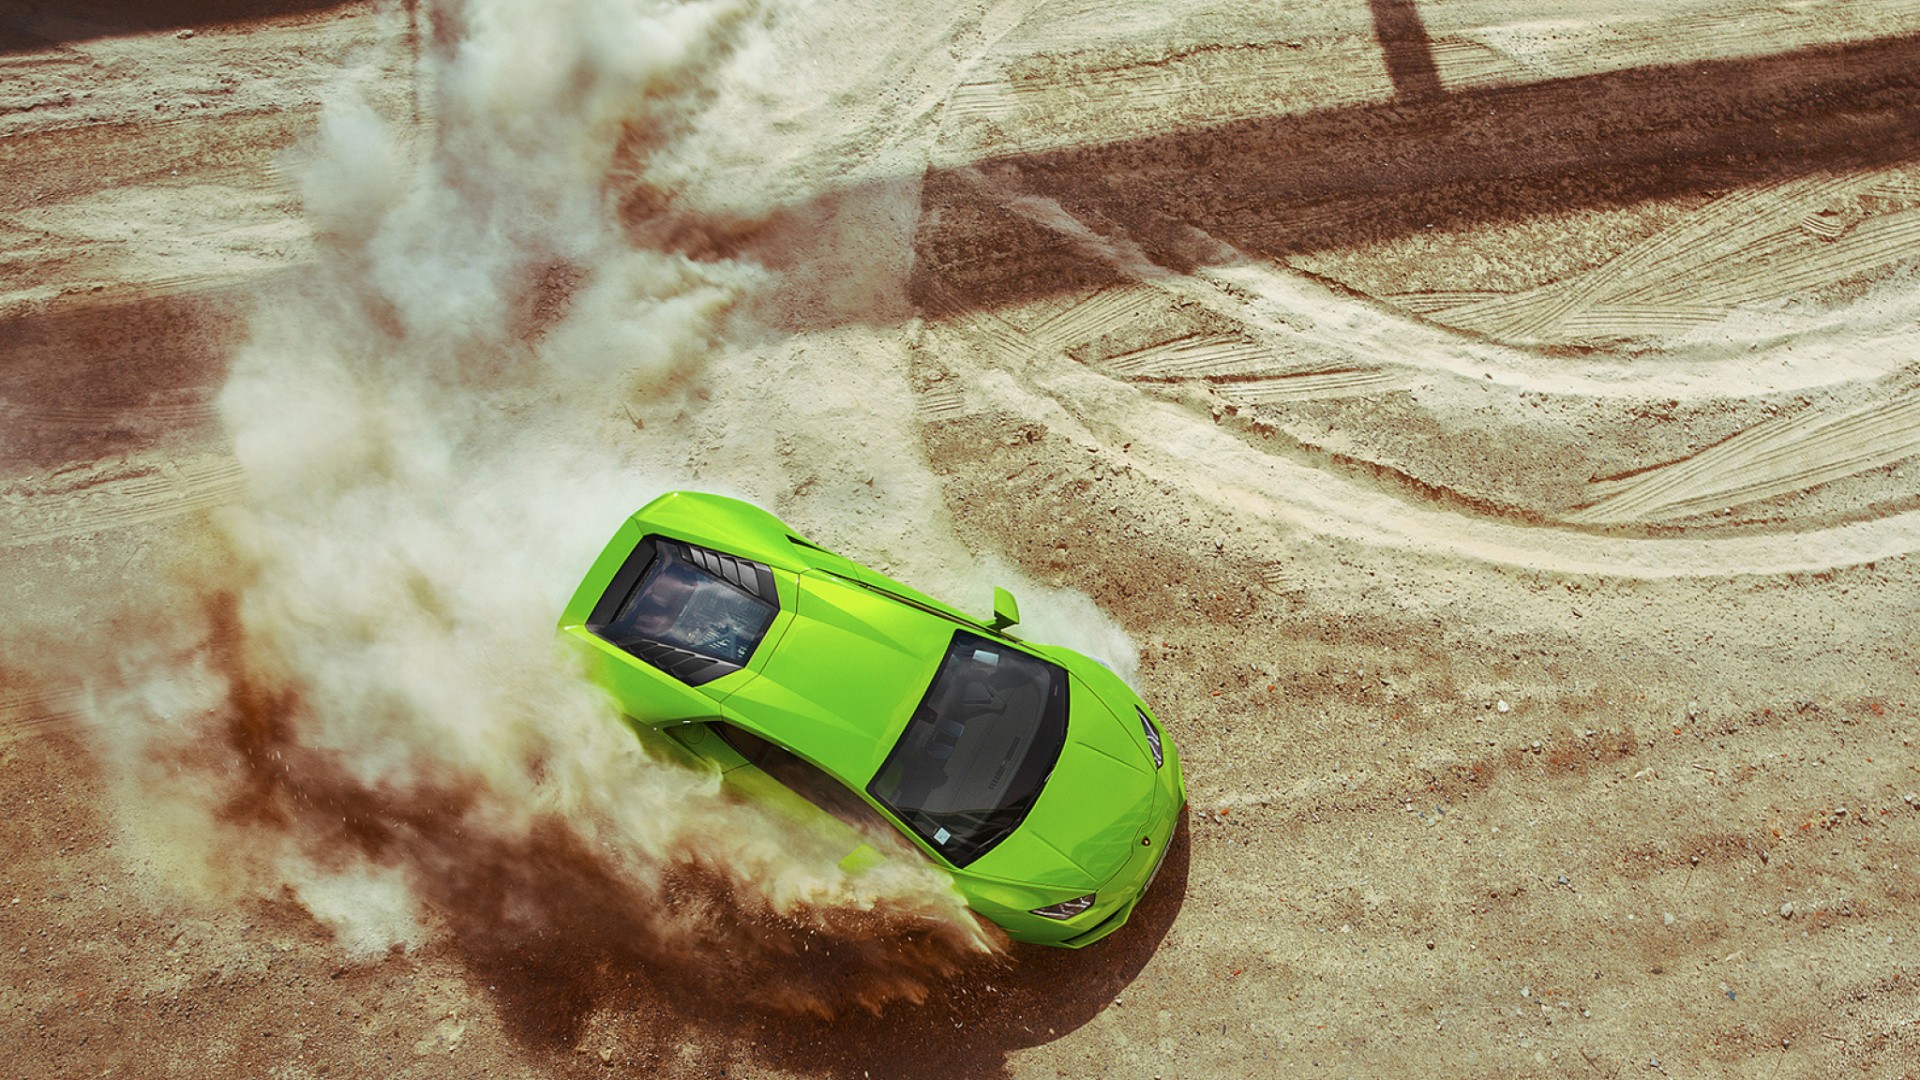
point(841, 683)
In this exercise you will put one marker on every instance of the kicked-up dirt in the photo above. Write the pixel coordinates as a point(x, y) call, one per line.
point(1490, 429)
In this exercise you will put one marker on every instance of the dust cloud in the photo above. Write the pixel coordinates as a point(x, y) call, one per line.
point(357, 701)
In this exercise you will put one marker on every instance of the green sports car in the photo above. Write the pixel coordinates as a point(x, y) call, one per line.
point(1031, 773)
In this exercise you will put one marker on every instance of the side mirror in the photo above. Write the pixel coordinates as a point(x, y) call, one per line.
point(1006, 612)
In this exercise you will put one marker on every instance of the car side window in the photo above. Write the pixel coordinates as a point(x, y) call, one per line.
point(805, 779)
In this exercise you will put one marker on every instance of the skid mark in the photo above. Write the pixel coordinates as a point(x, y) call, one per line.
point(30, 715)
point(1246, 371)
point(1719, 235)
point(982, 97)
point(1103, 312)
point(1755, 245)
point(1297, 316)
point(1198, 357)
point(1429, 303)
point(97, 503)
point(1464, 63)
point(1312, 386)
point(943, 405)
point(1875, 244)
point(158, 414)
point(1019, 111)
point(1775, 458)
point(1640, 320)
point(1194, 454)
point(110, 284)
point(1005, 341)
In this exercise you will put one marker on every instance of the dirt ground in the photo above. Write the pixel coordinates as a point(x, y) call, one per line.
point(1493, 424)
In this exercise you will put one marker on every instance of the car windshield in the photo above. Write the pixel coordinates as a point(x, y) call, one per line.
point(978, 749)
point(683, 606)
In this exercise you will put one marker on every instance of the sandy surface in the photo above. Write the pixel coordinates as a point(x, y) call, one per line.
point(1492, 428)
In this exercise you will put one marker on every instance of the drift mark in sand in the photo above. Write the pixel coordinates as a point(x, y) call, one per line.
point(371, 711)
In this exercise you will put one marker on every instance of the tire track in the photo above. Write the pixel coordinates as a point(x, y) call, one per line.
point(1172, 446)
point(1717, 234)
point(1194, 453)
point(33, 715)
point(64, 164)
point(1611, 320)
point(1311, 386)
point(1062, 104)
point(1295, 316)
point(1877, 243)
point(1197, 357)
point(1781, 456)
point(103, 503)
point(1438, 301)
point(942, 405)
point(1753, 246)
point(1104, 311)
point(1244, 371)
point(154, 415)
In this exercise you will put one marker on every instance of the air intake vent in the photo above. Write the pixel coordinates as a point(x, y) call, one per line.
point(751, 576)
point(689, 667)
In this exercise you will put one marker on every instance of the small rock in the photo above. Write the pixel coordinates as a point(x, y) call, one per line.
point(1430, 943)
point(1786, 910)
point(184, 34)
point(1502, 706)
point(1667, 918)
point(1526, 991)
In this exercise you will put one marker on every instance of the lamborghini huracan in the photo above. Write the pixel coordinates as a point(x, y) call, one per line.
point(1031, 773)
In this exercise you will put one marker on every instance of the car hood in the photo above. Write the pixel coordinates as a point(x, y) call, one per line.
point(1083, 827)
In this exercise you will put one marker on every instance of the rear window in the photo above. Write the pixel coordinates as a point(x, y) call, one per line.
point(693, 613)
point(978, 749)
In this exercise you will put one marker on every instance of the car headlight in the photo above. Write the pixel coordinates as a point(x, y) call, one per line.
point(1153, 737)
point(1066, 909)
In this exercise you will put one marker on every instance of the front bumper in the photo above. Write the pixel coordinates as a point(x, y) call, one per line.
point(1124, 891)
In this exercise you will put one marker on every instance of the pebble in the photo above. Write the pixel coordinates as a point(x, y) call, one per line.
point(1502, 706)
point(1668, 918)
point(1786, 910)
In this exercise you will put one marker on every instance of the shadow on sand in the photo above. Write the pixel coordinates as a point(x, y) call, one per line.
point(549, 993)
